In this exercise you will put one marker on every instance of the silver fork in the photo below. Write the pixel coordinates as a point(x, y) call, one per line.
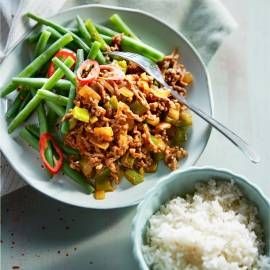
point(153, 70)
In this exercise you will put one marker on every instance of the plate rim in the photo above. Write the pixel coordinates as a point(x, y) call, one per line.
point(188, 43)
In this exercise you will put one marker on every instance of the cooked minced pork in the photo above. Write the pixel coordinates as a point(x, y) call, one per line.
point(214, 228)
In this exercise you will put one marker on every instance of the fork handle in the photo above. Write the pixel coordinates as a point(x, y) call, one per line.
point(229, 134)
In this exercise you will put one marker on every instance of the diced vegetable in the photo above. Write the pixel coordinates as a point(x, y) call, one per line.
point(126, 92)
point(186, 118)
point(137, 107)
point(85, 167)
point(93, 119)
point(81, 114)
point(180, 136)
point(106, 133)
point(88, 92)
point(153, 120)
point(114, 102)
point(99, 194)
point(174, 112)
point(122, 64)
point(102, 180)
point(72, 123)
point(127, 161)
point(160, 93)
point(187, 78)
point(158, 142)
point(133, 176)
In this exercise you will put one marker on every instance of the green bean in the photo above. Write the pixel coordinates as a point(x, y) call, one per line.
point(25, 101)
point(49, 96)
point(95, 34)
point(86, 35)
point(100, 58)
point(74, 30)
point(29, 138)
point(33, 129)
point(65, 124)
point(59, 110)
point(121, 26)
point(43, 128)
point(77, 177)
point(58, 74)
point(68, 73)
point(42, 43)
point(94, 50)
point(34, 66)
point(34, 36)
point(105, 30)
point(107, 39)
point(60, 29)
point(52, 118)
point(55, 34)
point(15, 106)
point(39, 82)
point(42, 118)
point(22, 115)
point(130, 44)
point(83, 31)
point(79, 59)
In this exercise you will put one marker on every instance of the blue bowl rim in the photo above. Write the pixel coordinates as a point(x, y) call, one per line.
point(135, 233)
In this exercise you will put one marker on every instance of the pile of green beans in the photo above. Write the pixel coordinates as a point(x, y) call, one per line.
point(51, 98)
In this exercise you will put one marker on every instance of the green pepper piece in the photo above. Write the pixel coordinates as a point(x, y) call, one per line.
point(102, 180)
point(133, 176)
point(180, 136)
point(138, 107)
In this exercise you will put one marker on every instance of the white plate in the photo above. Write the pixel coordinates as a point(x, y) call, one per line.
point(154, 32)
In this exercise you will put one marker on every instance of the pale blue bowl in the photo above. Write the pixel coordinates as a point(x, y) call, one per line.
point(180, 183)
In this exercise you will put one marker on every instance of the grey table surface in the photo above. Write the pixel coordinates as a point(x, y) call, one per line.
point(40, 233)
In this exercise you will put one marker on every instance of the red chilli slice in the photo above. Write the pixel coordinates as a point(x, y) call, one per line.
point(43, 144)
point(111, 72)
point(88, 71)
point(62, 54)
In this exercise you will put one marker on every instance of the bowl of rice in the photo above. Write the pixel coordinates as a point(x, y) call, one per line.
point(203, 218)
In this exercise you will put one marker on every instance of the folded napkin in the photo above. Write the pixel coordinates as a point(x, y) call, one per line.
point(204, 22)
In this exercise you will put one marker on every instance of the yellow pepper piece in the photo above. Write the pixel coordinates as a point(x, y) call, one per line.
point(88, 92)
point(126, 92)
point(104, 132)
point(99, 194)
point(160, 92)
point(81, 114)
point(93, 119)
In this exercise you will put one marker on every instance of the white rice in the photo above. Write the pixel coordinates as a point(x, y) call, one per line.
point(215, 228)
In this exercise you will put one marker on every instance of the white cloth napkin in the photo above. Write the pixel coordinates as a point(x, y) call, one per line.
point(204, 22)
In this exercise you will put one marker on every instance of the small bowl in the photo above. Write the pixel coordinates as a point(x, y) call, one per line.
point(183, 182)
